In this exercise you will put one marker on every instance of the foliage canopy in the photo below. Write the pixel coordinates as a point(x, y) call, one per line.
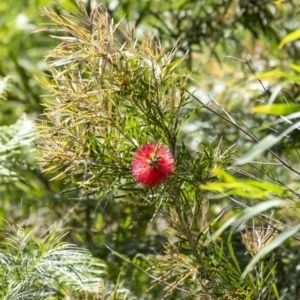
point(217, 83)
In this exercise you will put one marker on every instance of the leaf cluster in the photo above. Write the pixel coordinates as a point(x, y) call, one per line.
point(108, 98)
point(110, 90)
point(46, 267)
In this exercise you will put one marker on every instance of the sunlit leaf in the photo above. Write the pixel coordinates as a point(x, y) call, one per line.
point(277, 109)
point(223, 175)
point(253, 189)
point(277, 73)
point(295, 67)
point(295, 35)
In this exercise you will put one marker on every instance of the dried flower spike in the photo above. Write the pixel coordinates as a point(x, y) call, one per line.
point(152, 164)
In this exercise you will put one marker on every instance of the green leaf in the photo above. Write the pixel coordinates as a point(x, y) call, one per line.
point(295, 67)
point(251, 212)
point(265, 144)
point(295, 35)
point(253, 189)
point(5, 86)
point(277, 109)
point(277, 73)
point(222, 175)
point(246, 215)
point(267, 186)
point(276, 242)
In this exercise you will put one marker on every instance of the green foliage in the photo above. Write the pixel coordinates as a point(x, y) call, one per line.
point(290, 38)
point(110, 98)
point(278, 241)
point(277, 109)
point(21, 55)
point(252, 189)
point(112, 94)
point(15, 141)
point(214, 229)
point(46, 267)
point(5, 87)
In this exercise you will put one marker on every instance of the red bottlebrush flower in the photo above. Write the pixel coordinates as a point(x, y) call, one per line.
point(152, 164)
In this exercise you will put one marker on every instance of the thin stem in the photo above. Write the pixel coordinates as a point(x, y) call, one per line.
point(254, 138)
point(184, 229)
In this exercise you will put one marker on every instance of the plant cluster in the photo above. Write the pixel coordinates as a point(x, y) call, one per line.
point(180, 184)
point(113, 95)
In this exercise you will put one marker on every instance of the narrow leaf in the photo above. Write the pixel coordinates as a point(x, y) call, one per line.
point(256, 210)
point(277, 109)
point(265, 144)
point(247, 214)
point(295, 35)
